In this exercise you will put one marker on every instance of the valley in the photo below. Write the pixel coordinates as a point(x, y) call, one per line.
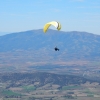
point(37, 86)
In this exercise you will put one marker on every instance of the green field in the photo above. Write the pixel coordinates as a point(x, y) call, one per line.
point(10, 93)
point(70, 87)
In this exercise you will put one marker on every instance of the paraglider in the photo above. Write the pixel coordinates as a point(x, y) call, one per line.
point(56, 24)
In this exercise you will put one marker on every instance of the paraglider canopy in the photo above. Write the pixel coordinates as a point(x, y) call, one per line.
point(54, 23)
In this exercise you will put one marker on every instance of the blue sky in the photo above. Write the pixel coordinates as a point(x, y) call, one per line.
point(74, 15)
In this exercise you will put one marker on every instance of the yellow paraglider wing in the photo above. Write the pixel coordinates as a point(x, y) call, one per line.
point(54, 23)
point(59, 26)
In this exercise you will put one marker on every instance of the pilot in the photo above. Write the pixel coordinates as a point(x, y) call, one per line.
point(56, 49)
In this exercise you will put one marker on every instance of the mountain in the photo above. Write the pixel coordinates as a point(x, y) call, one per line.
point(74, 44)
point(18, 79)
point(3, 33)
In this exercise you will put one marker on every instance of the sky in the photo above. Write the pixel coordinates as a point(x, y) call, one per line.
point(74, 15)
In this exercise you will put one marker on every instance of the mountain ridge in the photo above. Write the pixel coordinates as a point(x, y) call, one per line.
point(43, 78)
point(71, 44)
